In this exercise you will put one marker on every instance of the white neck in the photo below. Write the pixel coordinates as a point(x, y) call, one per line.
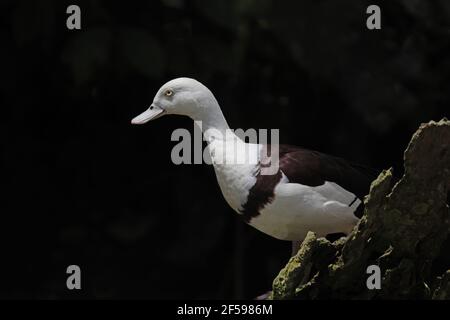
point(210, 117)
point(234, 161)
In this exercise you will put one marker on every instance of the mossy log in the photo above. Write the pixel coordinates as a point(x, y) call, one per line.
point(404, 230)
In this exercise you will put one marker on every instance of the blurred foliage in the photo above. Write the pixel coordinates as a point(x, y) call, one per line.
point(85, 187)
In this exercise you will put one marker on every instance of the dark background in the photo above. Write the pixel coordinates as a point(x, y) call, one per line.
point(82, 186)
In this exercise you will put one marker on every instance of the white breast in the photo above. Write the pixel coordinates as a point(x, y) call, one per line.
point(235, 164)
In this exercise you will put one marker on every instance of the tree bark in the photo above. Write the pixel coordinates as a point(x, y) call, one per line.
point(404, 230)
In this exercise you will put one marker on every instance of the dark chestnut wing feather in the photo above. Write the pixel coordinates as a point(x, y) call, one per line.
point(310, 168)
point(313, 168)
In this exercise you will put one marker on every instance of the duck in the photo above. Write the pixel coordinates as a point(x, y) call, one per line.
point(307, 191)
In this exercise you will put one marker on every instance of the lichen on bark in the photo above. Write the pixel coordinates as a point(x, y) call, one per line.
point(403, 231)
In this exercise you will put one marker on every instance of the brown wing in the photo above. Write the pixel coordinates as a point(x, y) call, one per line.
point(310, 168)
point(313, 168)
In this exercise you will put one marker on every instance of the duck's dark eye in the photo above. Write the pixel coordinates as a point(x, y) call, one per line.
point(168, 92)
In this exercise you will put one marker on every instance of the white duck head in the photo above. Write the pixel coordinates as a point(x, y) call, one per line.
point(188, 97)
